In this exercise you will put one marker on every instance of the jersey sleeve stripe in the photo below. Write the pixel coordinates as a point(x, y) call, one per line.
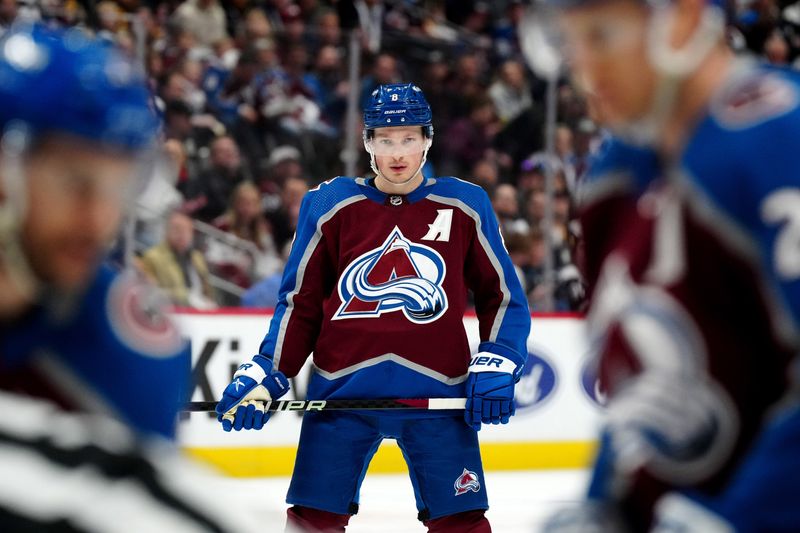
point(490, 253)
point(309, 249)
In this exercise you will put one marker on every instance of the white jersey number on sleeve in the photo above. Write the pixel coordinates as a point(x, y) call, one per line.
point(783, 207)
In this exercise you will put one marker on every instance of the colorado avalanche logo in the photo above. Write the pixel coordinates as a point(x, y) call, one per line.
point(467, 481)
point(397, 276)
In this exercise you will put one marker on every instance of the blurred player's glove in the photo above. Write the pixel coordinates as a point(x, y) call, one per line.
point(242, 405)
point(674, 416)
point(490, 390)
point(677, 427)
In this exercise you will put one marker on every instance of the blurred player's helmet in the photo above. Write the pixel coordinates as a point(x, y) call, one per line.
point(546, 52)
point(61, 82)
point(398, 104)
point(53, 81)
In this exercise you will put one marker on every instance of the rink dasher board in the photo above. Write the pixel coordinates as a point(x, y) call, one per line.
point(558, 409)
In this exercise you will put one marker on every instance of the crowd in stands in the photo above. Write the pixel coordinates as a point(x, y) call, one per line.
point(253, 95)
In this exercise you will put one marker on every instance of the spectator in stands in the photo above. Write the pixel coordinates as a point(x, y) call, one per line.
point(505, 203)
point(384, 70)
point(328, 86)
point(484, 173)
point(510, 92)
point(468, 139)
point(466, 84)
point(565, 152)
point(519, 250)
point(178, 268)
point(327, 32)
point(283, 164)
point(283, 215)
point(160, 196)
point(208, 194)
point(205, 19)
point(256, 256)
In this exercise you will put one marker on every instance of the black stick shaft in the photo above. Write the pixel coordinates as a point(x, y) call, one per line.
point(334, 405)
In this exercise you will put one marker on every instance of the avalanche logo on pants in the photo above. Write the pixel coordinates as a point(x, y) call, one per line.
point(467, 481)
point(399, 275)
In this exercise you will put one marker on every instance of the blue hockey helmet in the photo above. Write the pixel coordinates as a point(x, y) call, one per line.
point(398, 104)
point(55, 81)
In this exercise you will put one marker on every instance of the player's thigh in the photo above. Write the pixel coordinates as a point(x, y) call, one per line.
point(445, 466)
point(332, 458)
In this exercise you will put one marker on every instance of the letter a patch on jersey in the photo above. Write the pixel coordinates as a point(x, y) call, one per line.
point(399, 275)
point(440, 229)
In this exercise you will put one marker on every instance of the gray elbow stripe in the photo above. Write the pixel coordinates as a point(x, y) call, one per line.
point(301, 272)
point(493, 259)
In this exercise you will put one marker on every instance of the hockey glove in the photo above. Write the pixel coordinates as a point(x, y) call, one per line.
point(678, 427)
point(490, 390)
point(242, 405)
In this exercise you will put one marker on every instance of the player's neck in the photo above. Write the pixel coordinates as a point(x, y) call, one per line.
point(386, 186)
point(692, 102)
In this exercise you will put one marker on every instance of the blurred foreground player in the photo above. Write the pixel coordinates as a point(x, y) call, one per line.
point(691, 219)
point(376, 286)
point(76, 337)
point(75, 119)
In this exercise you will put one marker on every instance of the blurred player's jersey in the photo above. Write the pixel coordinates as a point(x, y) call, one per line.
point(376, 286)
point(110, 350)
point(705, 252)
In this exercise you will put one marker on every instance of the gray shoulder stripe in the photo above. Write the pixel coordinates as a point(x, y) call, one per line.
point(501, 311)
point(301, 272)
point(393, 357)
point(596, 190)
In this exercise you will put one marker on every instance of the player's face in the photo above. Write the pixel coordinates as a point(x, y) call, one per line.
point(398, 152)
point(605, 45)
point(75, 203)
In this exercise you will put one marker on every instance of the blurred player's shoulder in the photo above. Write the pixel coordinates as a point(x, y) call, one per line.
point(131, 313)
point(618, 168)
point(745, 150)
point(756, 95)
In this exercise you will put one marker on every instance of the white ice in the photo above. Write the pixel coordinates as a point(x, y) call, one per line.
point(519, 501)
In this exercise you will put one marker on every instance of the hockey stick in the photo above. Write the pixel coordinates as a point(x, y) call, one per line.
point(430, 404)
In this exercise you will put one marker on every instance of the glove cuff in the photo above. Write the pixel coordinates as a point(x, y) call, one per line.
point(256, 370)
point(492, 349)
point(491, 362)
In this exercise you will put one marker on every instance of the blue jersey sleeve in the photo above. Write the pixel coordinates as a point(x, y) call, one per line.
point(753, 182)
point(500, 303)
point(306, 279)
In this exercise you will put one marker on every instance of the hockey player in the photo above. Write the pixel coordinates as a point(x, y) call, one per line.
point(74, 119)
point(691, 219)
point(74, 336)
point(376, 287)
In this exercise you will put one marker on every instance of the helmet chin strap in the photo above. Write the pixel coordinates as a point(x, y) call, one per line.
point(374, 165)
point(673, 66)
